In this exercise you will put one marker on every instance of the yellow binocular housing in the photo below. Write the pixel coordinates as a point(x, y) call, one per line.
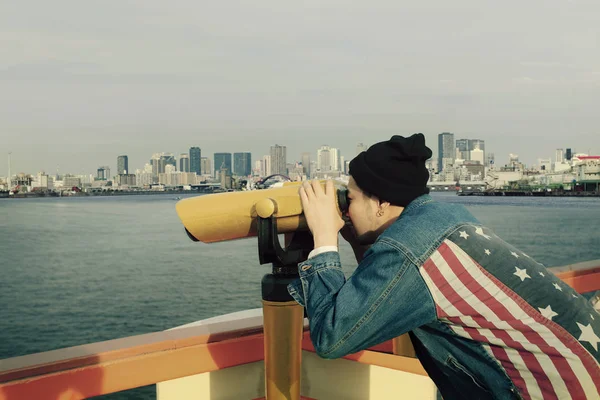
point(233, 215)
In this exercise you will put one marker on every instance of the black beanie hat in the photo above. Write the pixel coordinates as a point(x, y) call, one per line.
point(393, 170)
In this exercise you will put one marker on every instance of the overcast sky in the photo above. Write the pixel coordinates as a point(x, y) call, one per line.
point(84, 81)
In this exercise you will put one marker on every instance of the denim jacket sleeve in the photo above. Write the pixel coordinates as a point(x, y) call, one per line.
point(384, 298)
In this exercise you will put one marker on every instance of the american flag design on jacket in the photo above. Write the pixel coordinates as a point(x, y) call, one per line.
point(543, 334)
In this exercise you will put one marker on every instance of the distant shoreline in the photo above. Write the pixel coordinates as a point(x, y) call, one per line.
point(31, 195)
point(509, 193)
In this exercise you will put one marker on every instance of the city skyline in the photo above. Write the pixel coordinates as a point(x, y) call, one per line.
point(80, 85)
point(113, 164)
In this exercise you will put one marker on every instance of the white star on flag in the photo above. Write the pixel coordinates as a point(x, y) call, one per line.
point(541, 273)
point(547, 312)
point(488, 252)
point(557, 287)
point(464, 234)
point(521, 273)
point(479, 231)
point(574, 295)
point(514, 254)
point(588, 335)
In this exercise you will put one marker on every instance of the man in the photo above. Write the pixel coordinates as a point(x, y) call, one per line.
point(485, 319)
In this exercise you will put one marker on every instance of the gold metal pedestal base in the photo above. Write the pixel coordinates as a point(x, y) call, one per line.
point(283, 326)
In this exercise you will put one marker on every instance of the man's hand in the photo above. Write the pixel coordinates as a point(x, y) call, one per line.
point(322, 215)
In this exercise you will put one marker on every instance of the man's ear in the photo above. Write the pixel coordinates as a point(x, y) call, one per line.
point(383, 205)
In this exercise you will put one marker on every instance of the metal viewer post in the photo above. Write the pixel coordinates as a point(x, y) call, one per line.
point(283, 317)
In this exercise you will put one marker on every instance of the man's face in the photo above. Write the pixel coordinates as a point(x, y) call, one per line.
point(362, 212)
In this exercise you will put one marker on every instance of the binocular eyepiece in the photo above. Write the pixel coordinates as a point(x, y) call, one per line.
point(233, 215)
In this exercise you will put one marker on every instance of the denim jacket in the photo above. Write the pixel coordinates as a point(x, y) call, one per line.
point(486, 320)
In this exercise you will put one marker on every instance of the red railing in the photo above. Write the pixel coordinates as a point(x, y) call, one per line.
point(106, 367)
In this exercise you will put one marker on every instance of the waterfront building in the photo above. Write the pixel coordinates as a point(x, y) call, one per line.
point(476, 144)
point(278, 159)
point(476, 156)
point(432, 167)
point(306, 163)
point(103, 173)
point(559, 156)
point(242, 164)
point(446, 150)
point(122, 180)
point(335, 159)
point(490, 160)
point(122, 165)
point(169, 178)
point(166, 159)
point(328, 159)
point(195, 161)
point(184, 162)
point(324, 159)
point(154, 161)
point(173, 178)
point(313, 168)
point(144, 178)
point(222, 160)
point(545, 164)
point(188, 178)
point(225, 177)
point(267, 166)
point(43, 182)
point(258, 168)
point(296, 172)
point(205, 167)
point(462, 149)
point(562, 167)
point(472, 171)
point(588, 172)
point(70, 181)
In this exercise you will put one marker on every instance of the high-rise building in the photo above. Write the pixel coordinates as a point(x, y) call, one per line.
point(259, 168)
point(155, 161)
point(267, 166)
point(335, 159)
point(166, 159)
point(103, 173)
point(306, 164)
point(445, 150)
point(195, 157)
point(463, 149)
point(205, 168)
point(122, 165)
point(278, 160)
point(324, 159)
point(490, 160)
point(476, 156)
point(184, 162)
point(569, 155)
point(242, 164)
point(559, 155)
point(477, 144)
point(222, 160)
